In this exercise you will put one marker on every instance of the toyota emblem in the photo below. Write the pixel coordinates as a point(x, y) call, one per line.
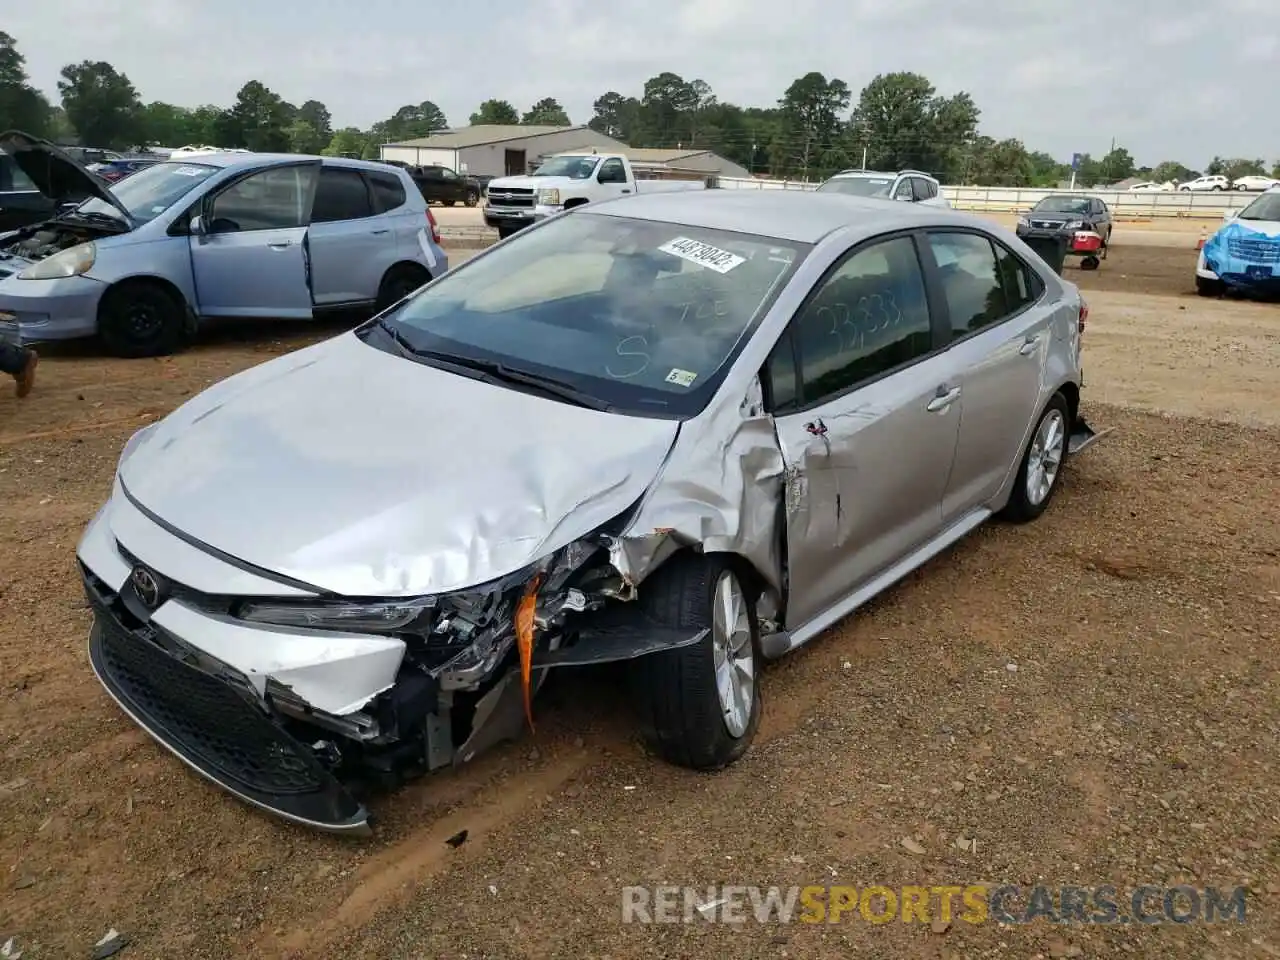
point(145, 585)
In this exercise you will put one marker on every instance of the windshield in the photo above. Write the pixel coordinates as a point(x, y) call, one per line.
point(151, 191)
point(1266, 207)
point(640, 315)
point(1062, 205)
point(859, 186)
point(576, 168)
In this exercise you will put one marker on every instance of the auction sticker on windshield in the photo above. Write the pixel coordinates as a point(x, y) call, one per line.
point(703, 254)
point(191, 171)
point(681, 378)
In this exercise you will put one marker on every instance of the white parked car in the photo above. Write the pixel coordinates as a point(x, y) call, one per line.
point(1150, 186)
point(912, 186)
point(1254, 182)
point(1206, 183)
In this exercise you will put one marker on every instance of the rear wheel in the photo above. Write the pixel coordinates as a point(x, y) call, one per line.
point(400, 281)
point(141, 319)
point(700, 705)
point(1042, 462)
point(472, 199)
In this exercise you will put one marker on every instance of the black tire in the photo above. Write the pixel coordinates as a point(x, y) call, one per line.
point(1209, 288)
point(142, 319)
point(451, 203)
point(1022, 508)
point(400, 281)
point(675, 691)
point(472, 199)
point(1216, 187)
point(504, 232)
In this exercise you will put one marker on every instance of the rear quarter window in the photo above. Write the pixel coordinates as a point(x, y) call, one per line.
point(388, 191)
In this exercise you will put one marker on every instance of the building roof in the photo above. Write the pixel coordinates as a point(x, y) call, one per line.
point(483, 133)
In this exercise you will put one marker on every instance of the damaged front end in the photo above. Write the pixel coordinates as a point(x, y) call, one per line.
point(287, 735)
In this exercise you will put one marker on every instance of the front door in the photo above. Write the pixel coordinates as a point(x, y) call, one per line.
point(612, 179)
point(867, 422)
point(1001, 338)
point(251, 257)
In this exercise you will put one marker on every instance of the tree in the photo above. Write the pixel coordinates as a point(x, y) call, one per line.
point(1170, 170)
point(547, 112)
point(496, 112)
point(22, 107)
point(167, 125)
point(1117, 165)
point(1233, 168)
point(351, 141)
point(665, 109)
point(258, 120)
point(410, 122)
point(1003, 164)
point(615, 116)
point(317, 115)
point(902, 122)
point(303, 137)
point(101, 104)
point(810, 125)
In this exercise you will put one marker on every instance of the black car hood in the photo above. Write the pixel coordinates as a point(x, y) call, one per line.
point(55, 174)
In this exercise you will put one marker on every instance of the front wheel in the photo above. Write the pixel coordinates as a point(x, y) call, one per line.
point(141, 319)
point(472, 199)
point(700, 705)
point(1209, 288)
point(1042, 462)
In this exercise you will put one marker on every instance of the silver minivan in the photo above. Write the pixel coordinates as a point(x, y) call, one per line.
point(143, 262)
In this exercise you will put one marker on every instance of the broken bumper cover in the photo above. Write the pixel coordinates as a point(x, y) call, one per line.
point(215, 729)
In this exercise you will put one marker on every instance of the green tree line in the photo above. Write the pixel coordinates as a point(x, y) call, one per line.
point(816, 127)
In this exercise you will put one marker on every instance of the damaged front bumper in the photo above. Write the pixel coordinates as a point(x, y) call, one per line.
point(302, 722)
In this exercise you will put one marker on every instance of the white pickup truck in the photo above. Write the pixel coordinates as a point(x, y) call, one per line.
point(564, 181)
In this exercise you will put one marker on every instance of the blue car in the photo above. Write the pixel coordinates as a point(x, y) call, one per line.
point(143, 263)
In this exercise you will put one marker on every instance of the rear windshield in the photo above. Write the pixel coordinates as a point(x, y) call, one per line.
point(859, 186)
point(644, 316)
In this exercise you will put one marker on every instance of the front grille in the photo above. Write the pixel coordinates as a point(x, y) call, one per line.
point(214, 726)
point(1047, 224)
point(1254, 251)
point(511, 197)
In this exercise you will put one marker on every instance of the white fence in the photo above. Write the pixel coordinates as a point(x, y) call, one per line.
point(1123, 203)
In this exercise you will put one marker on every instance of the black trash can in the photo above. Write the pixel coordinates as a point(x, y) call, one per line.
point(1052, 250)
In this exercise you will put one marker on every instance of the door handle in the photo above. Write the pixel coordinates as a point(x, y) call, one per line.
point(943, 400)
point(1029, 345)
point(382, 231)
point(626, 191)
point(280, 244)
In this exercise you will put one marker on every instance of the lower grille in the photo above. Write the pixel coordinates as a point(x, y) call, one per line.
point(211, 726)
point(511, 198)
point(217, 726)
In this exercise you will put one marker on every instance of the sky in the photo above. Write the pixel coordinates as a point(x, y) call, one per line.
point(1167, 79)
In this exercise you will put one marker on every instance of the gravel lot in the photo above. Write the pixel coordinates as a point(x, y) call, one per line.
point(1092, 698)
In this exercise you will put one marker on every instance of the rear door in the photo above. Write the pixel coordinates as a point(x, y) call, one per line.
point(1000, 331)
point(351, 247)
point(865, 410)
point(251, 260)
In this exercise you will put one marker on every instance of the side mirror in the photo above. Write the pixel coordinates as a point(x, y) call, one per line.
point(198, 227)
point(1230, 215)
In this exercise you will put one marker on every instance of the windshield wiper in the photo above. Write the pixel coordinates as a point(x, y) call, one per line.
point(550, 386)
point(93, 216)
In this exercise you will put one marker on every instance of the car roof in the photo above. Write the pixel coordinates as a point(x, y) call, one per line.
point(241, 161)
point(797, 216)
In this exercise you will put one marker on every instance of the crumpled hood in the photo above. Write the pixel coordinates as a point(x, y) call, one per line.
point(367, 474)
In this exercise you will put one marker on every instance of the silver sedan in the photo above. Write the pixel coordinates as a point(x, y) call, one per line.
point(688, 432)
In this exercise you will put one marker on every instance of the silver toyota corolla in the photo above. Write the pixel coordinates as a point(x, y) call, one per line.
point(686, 431)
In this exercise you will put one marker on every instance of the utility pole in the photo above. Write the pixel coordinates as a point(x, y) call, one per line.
point(864, 158)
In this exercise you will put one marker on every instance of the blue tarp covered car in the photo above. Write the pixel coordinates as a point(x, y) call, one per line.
point(1245, 252)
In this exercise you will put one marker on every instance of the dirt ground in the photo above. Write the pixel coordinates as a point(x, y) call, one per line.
point(1091, 698)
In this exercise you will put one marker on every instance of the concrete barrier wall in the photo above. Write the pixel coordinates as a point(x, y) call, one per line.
point(1123, 203)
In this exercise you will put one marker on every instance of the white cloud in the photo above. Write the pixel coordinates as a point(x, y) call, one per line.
point(1059, 83)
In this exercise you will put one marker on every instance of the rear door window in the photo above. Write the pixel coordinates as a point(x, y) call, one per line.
point(388, 191)
point(341, 195)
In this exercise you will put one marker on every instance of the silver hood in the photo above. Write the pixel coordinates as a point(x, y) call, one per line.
point(370, 475)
